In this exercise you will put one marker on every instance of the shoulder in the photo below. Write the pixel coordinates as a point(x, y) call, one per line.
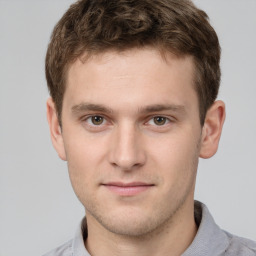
point(63, 250)
point(74, 247)
point(240, 246)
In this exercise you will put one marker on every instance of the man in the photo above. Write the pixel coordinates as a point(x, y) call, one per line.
point(133, 87)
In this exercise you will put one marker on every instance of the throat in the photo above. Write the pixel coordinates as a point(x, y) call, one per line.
point(173, 238)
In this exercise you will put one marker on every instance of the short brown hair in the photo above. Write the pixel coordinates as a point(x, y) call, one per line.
point(95, 26)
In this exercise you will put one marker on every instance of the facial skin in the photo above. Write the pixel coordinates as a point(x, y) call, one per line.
point(131, 136)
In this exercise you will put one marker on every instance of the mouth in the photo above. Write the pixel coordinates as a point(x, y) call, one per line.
point(127, 189)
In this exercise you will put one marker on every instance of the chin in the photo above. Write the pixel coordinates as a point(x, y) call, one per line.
point(132, 222)
point(133, 227)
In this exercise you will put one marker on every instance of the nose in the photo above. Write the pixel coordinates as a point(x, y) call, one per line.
point(126, 150)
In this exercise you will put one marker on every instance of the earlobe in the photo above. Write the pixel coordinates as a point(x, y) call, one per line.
point(55, 130)
point(212, 129)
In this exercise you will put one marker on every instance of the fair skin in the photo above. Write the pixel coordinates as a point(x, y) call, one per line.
point(131, 136)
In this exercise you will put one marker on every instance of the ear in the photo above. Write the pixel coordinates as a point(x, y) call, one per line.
point(212, 128)
point(55, 130)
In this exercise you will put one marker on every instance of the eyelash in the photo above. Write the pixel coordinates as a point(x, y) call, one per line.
point(89, 122)
point(166, 120)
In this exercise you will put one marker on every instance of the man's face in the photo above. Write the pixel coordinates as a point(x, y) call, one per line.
point(132, 135)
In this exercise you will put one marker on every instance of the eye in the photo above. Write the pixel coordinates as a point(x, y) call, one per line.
point(95, 123)
point(95, 120)
point(158, 121)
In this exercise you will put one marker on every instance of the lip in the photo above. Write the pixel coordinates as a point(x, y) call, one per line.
point(128, 189)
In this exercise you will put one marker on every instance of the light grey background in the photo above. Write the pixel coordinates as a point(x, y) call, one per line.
point(39, 210)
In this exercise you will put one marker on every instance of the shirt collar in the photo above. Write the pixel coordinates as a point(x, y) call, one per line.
point(78, 247)
point(210, 239)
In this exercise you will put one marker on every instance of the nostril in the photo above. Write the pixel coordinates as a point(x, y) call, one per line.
point(128, 164)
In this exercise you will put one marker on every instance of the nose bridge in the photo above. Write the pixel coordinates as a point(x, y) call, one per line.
point(127, 150)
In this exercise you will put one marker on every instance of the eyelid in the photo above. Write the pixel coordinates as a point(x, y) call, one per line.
point(107, 120)
point(168, 118)
point(87, 117)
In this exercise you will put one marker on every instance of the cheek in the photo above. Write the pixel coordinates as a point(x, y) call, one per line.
point(83, 150)
point(176, 158)
point(84, 158)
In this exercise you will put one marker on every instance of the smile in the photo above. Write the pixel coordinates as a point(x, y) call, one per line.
point(127, 189)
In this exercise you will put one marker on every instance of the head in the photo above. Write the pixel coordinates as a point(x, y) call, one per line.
point(170, 26)
point(133, 87)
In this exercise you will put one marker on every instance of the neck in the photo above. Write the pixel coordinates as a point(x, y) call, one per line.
point(173, 238)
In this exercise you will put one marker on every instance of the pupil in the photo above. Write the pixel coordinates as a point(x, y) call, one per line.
point(97, 120)
point(159, 120)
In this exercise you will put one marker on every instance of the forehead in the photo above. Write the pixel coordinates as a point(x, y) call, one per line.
point(136, 76)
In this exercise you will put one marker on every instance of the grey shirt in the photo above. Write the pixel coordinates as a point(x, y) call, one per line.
point(210, 240)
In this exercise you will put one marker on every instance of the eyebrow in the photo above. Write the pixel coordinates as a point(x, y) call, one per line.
point(83, 107)
point(162, 107)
